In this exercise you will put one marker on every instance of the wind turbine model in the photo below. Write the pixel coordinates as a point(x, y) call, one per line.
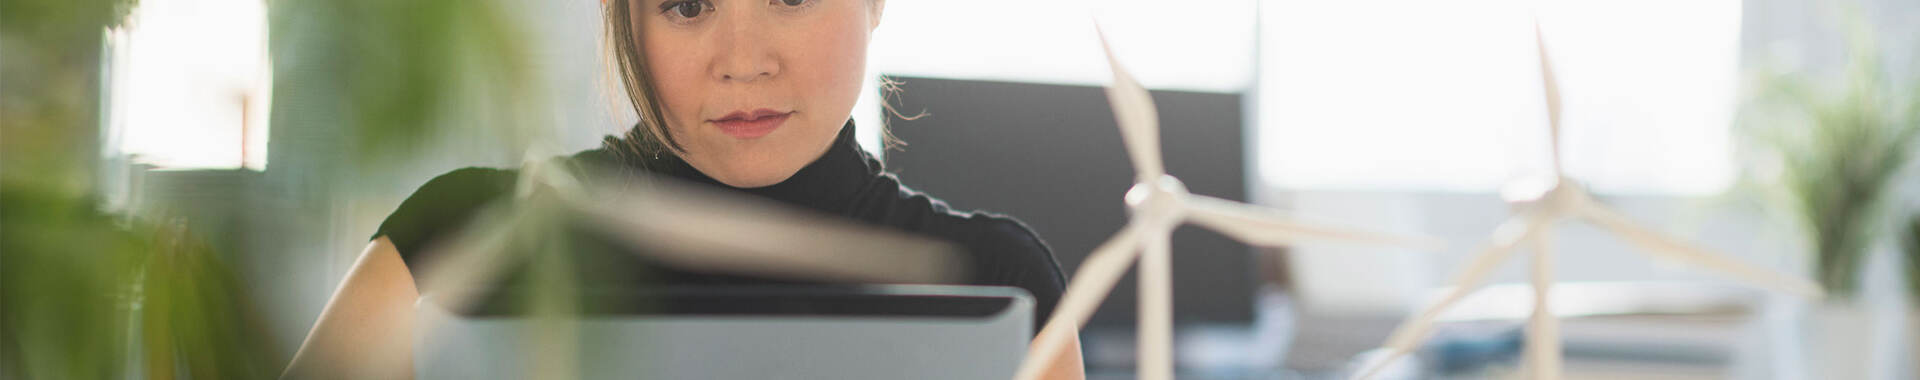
point(1538, 204)
point(1157, 203)
point(671, 223)
point(687, 228)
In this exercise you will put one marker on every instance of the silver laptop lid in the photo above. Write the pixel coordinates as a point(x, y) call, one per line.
point(760, 332)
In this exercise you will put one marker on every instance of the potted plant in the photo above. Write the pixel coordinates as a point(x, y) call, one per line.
point(1838, 151)
point(1832, 152)
point(1910, 255)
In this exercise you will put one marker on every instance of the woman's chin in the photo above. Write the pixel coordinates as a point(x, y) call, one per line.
point(763, 161)
point(749, 182)
point(751, 175)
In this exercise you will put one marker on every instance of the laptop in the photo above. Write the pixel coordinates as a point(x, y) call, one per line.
point(737, 332)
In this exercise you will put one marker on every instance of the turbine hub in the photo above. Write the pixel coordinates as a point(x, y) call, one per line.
point(1559, 194)
point(1161, 198)
point(1530, 189)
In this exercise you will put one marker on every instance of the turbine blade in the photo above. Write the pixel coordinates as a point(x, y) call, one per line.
point(1268, 227)
point(1089, 285)
point(1552, 88)
point(462, 269)
point(1661, 245)
point(1506, 239)
point(1139, 121)
point(707, 231)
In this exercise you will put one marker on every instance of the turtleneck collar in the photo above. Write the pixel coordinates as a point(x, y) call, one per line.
point(828, 184)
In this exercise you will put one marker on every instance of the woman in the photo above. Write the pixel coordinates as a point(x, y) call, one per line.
point(748, 95)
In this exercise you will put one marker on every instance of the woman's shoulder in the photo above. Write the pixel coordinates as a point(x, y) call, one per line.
point(448, 200)
point(1007, 249)
point(442, 204)
point(1013, 254)
point(917, 211)
point(1005, 232)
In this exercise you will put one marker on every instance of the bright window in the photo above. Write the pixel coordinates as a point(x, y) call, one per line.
point(1194, 44)
point(1445, 95)
point(189, 85)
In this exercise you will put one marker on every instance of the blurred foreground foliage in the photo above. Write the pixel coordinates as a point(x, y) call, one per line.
point(392, 77)
point(92, 293)
point(84, 293)
point(90, 296)
point(49, 98)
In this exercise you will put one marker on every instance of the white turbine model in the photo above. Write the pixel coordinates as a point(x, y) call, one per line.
point(674, 224)
point(1538, 204)
point(1157, 203)
point(687, 228)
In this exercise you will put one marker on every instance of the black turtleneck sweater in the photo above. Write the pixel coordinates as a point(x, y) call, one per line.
point(845, 182)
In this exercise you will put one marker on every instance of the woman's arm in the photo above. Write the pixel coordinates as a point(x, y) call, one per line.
point(366, 330)
point(1068, 365)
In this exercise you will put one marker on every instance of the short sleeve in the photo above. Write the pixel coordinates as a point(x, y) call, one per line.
point(440, 207)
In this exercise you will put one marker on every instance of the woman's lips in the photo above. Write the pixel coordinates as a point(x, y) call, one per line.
point(743, 125)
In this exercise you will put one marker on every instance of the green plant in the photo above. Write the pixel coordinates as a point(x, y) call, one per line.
point(80, 286)
point(1911, 256)
point(58, 318)
point(64, 275)
point(1839, 150)
point(91, 293)
point(388, 78)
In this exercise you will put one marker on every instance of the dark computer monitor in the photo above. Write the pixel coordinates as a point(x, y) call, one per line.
point(1052, 156)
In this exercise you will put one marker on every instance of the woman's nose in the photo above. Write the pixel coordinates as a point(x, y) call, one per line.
point(747, 54)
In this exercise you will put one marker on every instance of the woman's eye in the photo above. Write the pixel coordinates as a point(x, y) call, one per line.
point(794, 3)
point(684, 9)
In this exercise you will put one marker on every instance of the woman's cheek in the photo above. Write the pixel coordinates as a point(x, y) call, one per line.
point(677, 85)
point(836, 67)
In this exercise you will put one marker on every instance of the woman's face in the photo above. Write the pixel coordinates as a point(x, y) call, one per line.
point(753, 90)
